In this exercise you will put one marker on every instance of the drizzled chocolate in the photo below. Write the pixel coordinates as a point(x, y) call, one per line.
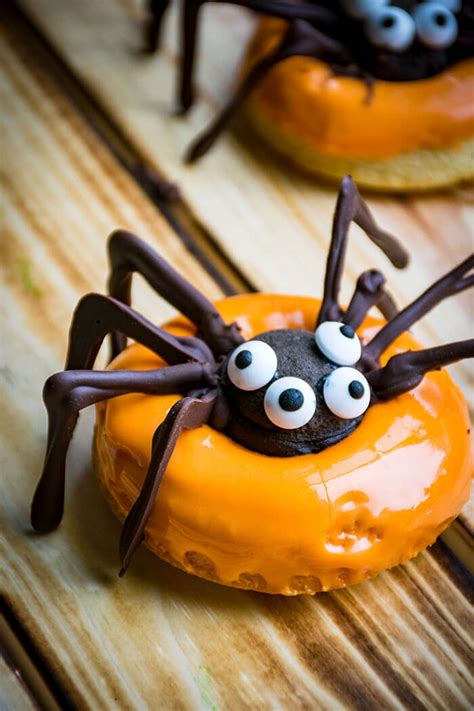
point(198, 366)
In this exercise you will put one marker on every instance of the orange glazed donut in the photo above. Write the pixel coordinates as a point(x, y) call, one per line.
point(410, 135)
point(274, 443)
point(300, 524)
point(380, 89)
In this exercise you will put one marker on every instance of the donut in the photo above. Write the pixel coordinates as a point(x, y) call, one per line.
point(296, 524)
point(381, 90)
point(276, 443)
point(394, 135)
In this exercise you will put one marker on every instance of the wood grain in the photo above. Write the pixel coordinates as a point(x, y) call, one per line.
point(160, 638)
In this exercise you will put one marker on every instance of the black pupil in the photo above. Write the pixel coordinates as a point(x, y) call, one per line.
point(440, 19)
point(291, 399)
point(243, 359)
point(388, 22)
point(347, 331)
point(356, 389)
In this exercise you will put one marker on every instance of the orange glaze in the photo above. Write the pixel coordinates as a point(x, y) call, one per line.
point(302, 523)
point(334, 116)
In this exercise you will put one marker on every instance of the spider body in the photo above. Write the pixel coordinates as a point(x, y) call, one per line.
point(285, 392)
point(297, 358)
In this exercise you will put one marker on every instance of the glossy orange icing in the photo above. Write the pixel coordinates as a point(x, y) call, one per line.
point(334, 115)
point(302, 523)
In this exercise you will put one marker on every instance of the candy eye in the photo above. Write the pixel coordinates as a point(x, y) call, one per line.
point(338, 342)
point(289, 403)
point(346, 393)
point(436, 26)
point(390, 28)
point(361, 8)
point(252, 365)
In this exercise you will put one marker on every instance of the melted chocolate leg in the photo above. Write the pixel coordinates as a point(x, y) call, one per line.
point(351, 208)
point(368, 292)
point(187, 413)
point(301, 39)
point(404, 371)
point(97, 315)
point(129, 254)
point(156, 10)
point(457, 280)
point(189, 30)
point(68, 392)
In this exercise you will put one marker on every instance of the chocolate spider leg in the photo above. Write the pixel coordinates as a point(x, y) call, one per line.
point(189, 31)
point(68, 392)
point(451, 283)
point(301, 39)
point(97, 315)
point(351, 208)
point(153, 26)
point(369, 292)
point(187, 413)
point(129, 254)
point(405, 371)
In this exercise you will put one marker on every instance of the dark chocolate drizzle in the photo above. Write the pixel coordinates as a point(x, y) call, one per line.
point(455, 281)
point(187, 413)
point(351, 208)
point(153, 25)
point(129, 254)
point(405, 371)
point(197, 365)
point(68, 392)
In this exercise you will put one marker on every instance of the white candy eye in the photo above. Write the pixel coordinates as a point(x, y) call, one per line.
point(346, 393)
point(338, 342)
point(252, 365)
point(390, 28)
point(436, 26)
point(361, 8)
point(289, 403)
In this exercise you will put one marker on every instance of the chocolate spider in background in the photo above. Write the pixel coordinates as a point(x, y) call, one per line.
point(397, 41)
point(284, 393)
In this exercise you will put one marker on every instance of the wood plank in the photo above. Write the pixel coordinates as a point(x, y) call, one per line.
point(159, 637)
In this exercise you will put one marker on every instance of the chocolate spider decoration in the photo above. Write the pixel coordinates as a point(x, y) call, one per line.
point(404, 40)
point(283, 393)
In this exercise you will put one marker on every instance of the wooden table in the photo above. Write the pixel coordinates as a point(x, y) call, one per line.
point(85, 117)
